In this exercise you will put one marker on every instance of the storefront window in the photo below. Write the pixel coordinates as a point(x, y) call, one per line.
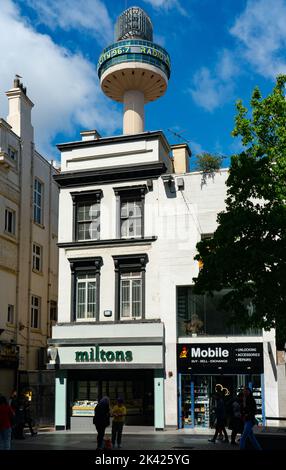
point(200, 315)
point(198, 392)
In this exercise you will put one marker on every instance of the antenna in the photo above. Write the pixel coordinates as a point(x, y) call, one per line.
point(179, 136)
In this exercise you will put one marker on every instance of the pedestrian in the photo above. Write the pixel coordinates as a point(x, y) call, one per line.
point(6, 420)
point(28, 416)
point(18, 429)
point(101, 420)
point(248, 416)
point(220, 418)
point(235, 422)
point(118, 413)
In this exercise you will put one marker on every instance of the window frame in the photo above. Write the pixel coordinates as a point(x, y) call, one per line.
point(125, 264)
point(12, 322)
point(37, 256)
point(35, 308)
point(129, 194)
point(88, 198)
point(12, 153)
point(36, 206)
point(130, 277)
point(81, 266)
point(12, 212)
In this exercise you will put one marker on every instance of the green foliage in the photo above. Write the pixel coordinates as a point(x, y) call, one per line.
point(248, 251)
point(208, 163)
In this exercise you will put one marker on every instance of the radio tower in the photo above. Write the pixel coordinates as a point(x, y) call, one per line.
point(134, 70)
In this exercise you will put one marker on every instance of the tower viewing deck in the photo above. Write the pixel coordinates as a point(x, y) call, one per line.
point(134, 70)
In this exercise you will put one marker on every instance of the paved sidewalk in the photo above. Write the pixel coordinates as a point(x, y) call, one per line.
point(140, 438)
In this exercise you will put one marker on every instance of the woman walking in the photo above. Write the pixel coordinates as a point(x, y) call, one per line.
point(6, 418)
point(248, 413)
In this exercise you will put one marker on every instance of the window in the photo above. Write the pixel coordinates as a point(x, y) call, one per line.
point(37, 257)
point(10, 218)
point(131, 295)
point(130, 208)
point(38, 201)
point(53, 311)
point(130, 218)
point(35, 311)
point(86, 296)
point(86, 215)
point(85, 288)
point(12, 153)
point(201, 315)
point(10, 316)
point(130, 286)
point(88, 221)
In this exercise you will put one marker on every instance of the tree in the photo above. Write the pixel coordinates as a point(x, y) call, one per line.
point(247, 254)
point(208, 164)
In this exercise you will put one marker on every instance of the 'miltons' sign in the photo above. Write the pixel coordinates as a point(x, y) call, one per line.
point(223, 358)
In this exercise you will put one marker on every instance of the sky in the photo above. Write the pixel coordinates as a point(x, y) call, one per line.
point(220, 50)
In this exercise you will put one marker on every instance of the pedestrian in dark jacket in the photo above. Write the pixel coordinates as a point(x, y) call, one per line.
point(236, 423)
point(220, 414)
point(248, 414)
point(101, 420)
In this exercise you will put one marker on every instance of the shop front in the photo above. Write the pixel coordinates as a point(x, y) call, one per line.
point(206, 368)
point(86, 373)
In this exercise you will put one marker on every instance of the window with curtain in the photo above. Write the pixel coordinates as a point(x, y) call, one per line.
point(130, 295)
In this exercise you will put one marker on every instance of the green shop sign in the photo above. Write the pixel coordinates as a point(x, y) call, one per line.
point(97, 354)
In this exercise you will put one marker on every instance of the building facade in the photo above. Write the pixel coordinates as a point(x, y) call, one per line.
point(128, 321)
point(130, 216)
point(28, 246)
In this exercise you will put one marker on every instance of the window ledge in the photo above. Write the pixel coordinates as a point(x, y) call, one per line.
point(39, 225)
point(110, 242)
point(38, 272)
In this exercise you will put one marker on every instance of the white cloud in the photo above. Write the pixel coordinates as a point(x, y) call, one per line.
point(84, 15)
point(211, 89)
point(63, 86)
point(261, 32)
point(167, 5)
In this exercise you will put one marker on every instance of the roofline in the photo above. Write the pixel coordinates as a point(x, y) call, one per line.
point(149, 135)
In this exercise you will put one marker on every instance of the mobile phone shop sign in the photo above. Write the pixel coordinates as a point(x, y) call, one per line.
point(220, 357)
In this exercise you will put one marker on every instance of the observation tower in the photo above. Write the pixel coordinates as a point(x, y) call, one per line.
point(134, 70)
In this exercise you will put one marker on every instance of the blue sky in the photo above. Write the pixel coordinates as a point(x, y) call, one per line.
point(220, 50)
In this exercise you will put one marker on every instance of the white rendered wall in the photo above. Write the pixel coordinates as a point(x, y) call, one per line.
point(177, 218)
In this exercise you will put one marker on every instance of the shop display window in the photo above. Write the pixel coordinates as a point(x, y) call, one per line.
point(198, 397)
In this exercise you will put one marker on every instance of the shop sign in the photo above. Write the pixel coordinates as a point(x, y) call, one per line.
point(223, 357)
point(97, 354)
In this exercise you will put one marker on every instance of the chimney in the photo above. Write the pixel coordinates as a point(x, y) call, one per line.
point(19, 114)
point(181, 155)
point(90, 135)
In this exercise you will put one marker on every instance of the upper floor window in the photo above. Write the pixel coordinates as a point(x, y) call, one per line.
point(130, 286)
point(131, 295)
point(131, 218)
point(38, 201)
point(10, 221)
point(130, 210)
point(35, 311)
point(10, 314)
point(85, 288)
point(86, 215)
point(201, 315)
point(37, 257)
point(86, 297)
point(12, 153)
